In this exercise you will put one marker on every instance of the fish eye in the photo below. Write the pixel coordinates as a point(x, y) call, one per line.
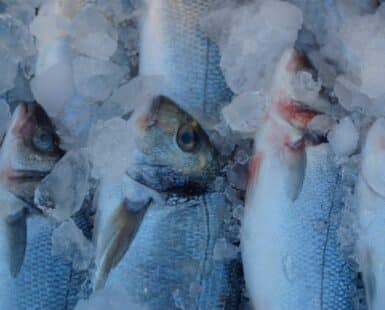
point(187, 138)
point(43, 140)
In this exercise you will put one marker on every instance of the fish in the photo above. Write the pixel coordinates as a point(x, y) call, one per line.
point(369, 199)
point(31, 278)
point(173, 45)
point(167, 258)
point(289, 232)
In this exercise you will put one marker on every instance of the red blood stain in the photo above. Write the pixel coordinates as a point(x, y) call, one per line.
point(254, 166)
point(296, 115)
point(295, 147)
point(297, 61)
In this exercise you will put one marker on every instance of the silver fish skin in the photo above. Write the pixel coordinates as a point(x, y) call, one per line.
point(289, 234)
point(31, 278)
point(370, 206)
point(170, 263)
point(160, 252)
point(174, 46)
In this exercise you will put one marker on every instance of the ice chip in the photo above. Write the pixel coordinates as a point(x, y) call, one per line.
point(62, 192)
point(68, 241)
point(253, 44)
point(343, 138)
point(93, 35)
point(110, 145)
point(245, 112)
point(225, 250)
point(53, 88)
point(305, 88)
point(8, 71)
point(96, 79)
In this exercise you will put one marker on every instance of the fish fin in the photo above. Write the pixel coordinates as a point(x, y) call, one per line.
point(16, 230)
point(297, 176)
point(115, 241)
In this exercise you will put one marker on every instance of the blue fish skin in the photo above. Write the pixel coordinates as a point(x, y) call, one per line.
point(173, 45)
point(170, 263)
point(45, 281)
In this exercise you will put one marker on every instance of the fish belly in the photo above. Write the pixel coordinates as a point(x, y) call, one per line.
point(170, 263)
point(173, 46)
point(290, 248)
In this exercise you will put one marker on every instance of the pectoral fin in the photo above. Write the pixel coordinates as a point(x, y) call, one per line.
point(115, 239)
point(296, 176)
point(16, 234)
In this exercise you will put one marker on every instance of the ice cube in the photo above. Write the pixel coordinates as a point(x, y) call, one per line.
point(224, 250)
point(254, 43)
point(93, 35)
point(96, 79)
point(245, 112)
point(68, 241)
point(110, 146)
point(343, 138)
point(62, 192)
point(8, 71)
point(305, 88)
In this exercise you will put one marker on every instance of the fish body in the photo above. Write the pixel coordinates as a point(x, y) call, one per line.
point(170, 263)
point(174, 46)
point(31, 277)
point(167, 257)
point(370, 203)
point(293, 209)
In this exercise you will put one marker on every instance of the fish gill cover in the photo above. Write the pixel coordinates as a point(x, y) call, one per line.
point(217, 60)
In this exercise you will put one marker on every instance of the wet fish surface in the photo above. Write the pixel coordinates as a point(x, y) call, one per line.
point(31, 277)
point(168, 261)
point(174, 46)
point(289, 240)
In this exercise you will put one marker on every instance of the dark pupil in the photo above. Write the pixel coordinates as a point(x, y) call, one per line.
point(188, 137)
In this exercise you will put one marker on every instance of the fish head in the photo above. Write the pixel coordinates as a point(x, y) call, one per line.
point(29, 151)
point(281, 140)
point(173, 152)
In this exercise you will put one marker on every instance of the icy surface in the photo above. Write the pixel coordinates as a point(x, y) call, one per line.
point(252, 37)
point(107, 298)
point(61, 194)
point(93, 35)
point(110, 145)
point(245, 112)
point(68, 241)
point(343, 138)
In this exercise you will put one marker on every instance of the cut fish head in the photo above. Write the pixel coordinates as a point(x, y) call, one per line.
point(29, 151)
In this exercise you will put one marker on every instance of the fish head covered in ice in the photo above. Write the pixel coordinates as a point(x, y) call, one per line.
point(172, 150)
point(282, 134)
point(29, 151)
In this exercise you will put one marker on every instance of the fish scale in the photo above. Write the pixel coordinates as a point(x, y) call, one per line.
point(173, 45)
point(170, 262)
point(46, 282)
